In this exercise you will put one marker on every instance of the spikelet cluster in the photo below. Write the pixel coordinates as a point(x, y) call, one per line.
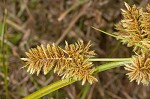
point(71, 62)
point(134, 29)
point(139, 69)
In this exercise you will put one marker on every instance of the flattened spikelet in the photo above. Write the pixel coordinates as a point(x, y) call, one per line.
point(79, 49)
point(70, 62)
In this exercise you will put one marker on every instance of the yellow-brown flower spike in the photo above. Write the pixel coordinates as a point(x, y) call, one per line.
point(134, 29)
point(70, 62)
point(139, 70)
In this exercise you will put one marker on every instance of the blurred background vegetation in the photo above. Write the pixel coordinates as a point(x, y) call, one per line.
point(33, 22)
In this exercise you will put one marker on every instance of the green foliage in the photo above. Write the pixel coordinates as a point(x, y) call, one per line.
point(15, 38)
point(61, 83)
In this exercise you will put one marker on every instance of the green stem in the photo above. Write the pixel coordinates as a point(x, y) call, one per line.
point(62, 83)
point(5, 52)
point(50, 88)
point(85, 91)
point(110, 65)
point(109, 59)
point(105, 32)
point(112, 35)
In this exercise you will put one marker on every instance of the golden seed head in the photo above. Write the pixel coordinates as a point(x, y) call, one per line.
point(134, 28)
point(70, 62)
point(139, 69)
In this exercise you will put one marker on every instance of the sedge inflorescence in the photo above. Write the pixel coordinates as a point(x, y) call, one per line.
point(134, 30)
point(71, 62)
point(139, 69)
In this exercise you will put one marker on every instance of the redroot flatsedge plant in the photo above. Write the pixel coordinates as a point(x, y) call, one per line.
point(74, 62)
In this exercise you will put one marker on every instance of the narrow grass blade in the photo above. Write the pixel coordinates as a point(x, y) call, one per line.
point(62, 83)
